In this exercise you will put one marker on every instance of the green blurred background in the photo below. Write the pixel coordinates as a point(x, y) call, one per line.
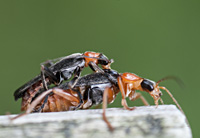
point(150, 38)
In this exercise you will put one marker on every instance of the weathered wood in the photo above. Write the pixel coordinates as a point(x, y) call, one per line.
point(166, 121)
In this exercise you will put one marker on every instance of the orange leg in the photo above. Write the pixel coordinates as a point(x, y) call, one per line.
point(172, 98)
point(137, 96)
point(65, 94)
point(107, 96)
point(161, 101)
point(121, 87)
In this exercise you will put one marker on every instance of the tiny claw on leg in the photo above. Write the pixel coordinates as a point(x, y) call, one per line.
point(126, 106)
point(20, 115)
point(108, 123)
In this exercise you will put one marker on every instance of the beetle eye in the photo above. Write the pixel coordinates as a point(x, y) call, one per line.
point(103, 60)
point(147, 85)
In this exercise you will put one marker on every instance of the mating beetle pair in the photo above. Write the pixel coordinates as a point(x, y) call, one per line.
point(83, 92)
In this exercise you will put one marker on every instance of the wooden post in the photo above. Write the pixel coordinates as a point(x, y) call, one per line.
point(166, 121)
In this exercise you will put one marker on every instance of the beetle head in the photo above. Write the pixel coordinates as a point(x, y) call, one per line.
point(152, 88)
point(104, 61)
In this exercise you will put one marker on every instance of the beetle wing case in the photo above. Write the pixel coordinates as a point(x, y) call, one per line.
point(20, 91)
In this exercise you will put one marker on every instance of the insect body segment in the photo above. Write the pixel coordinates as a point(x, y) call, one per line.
point(129, 83)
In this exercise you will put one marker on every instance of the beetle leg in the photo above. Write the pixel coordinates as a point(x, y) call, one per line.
point(80, 99)
point(43, 78)
point(68, 95)
point(87, 99)
point(121, 87)
point(106, 97)
point(135, 96)
point(42, 106)
point(77, 74)
point(33, 104)
point(95, 67)
point(45, 71)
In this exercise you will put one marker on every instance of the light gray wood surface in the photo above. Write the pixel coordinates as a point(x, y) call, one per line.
point(166, 121)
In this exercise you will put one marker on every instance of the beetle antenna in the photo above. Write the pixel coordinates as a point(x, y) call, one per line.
point(178, 80)
point(172, 98)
